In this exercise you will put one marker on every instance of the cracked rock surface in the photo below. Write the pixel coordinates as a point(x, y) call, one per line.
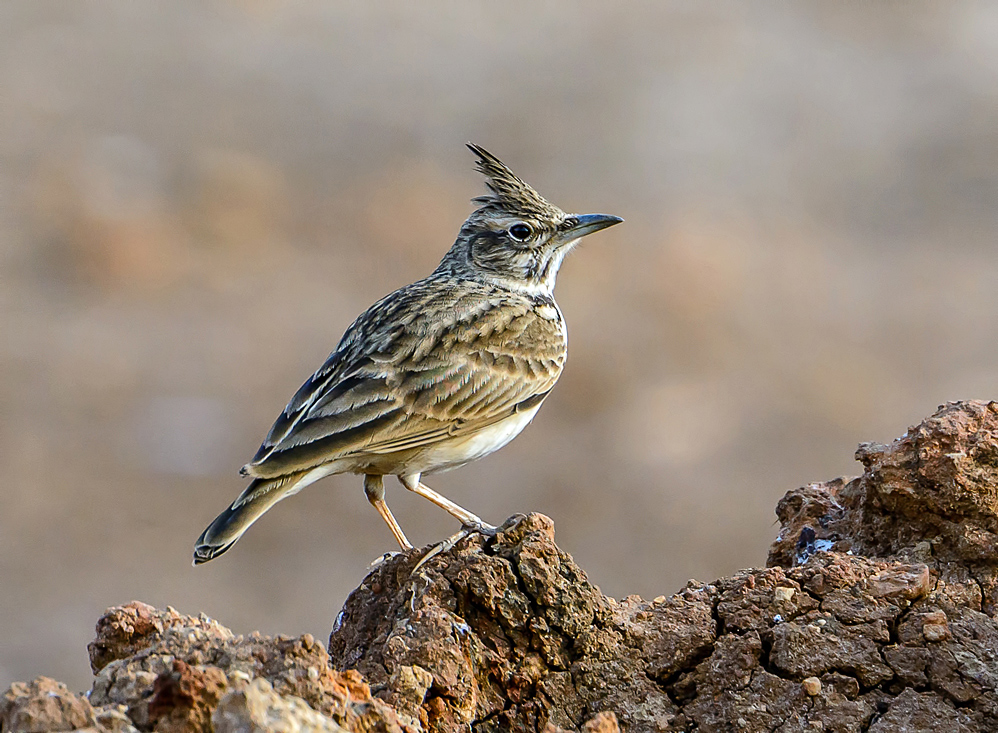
point(876, 613)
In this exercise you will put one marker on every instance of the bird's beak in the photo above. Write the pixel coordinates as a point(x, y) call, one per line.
point(587, 224)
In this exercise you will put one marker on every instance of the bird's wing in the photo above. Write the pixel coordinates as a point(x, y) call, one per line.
point(407, 378)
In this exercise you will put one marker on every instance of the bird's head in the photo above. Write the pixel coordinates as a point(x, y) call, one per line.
point(516, 238)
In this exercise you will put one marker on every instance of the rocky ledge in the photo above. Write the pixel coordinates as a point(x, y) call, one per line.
point(876, 613)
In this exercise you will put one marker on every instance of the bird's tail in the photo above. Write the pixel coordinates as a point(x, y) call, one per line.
point(230, 525)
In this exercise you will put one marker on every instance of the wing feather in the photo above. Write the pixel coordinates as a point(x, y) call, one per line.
point(452, 368)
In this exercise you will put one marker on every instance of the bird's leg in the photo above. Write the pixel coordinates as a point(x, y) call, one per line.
point(470, 523)
point(374, 487)
point(468, 520)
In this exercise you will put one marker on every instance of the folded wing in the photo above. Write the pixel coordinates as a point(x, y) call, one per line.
point(424, 385)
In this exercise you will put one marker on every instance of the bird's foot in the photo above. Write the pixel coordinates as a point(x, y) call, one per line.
point(479, 527)
point(469, 528)
point(440, 547)
point(512, 522)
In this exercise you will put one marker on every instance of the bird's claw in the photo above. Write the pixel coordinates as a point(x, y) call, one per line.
point(479, 527)
point(441, 547)
point(475, 527)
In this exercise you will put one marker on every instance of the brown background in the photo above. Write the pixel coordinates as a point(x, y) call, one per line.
point(196, 201)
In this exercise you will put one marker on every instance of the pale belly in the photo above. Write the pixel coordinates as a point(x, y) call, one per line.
point(453, 454)
point(432, 459)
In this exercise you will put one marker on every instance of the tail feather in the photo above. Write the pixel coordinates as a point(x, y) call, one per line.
point(230, 525)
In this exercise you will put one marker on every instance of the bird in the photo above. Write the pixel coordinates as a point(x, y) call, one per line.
point(437, 374)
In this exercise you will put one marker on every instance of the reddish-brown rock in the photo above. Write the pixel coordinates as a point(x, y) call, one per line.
point(932, 493)
point(880, 587)
point(171, 671)
point(514, 637)
point(43, 705)
point(876, 614)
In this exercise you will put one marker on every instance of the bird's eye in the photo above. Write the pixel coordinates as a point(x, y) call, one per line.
point(520, 232)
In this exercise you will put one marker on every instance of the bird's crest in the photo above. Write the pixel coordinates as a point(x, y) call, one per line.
point(508, 192)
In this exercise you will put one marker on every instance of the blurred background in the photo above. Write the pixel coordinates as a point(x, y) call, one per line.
point(196, 200)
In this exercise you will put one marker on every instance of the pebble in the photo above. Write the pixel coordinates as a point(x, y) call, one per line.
point(812, 686)
point(783, 594)
point(935, 626)
point(936, 632)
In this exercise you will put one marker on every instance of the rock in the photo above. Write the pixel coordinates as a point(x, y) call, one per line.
point(601, 723)
point(810, 647)
point(182, 700)
point(783, 595)
point(516, 637)
point(43, 705)
point(877, 613)
point(504, 652)
point(114, 720)
point(933, 492)
point(169, 671)
point(851, 604)
point(127, 630)
point(258, 709)
point(935, 626)
point(812, 686)
point(923, 712)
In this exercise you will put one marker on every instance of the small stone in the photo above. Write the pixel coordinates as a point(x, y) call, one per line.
point(410, 684)
point(935, 626)
point(934, 617)
point(907, 582)
point(259, 708)
point(605, 722)
point(812, 686)
point(936, 632)
point(114, 720)
point(783, 594)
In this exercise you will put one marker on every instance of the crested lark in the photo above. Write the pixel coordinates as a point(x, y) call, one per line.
point(439, 373)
